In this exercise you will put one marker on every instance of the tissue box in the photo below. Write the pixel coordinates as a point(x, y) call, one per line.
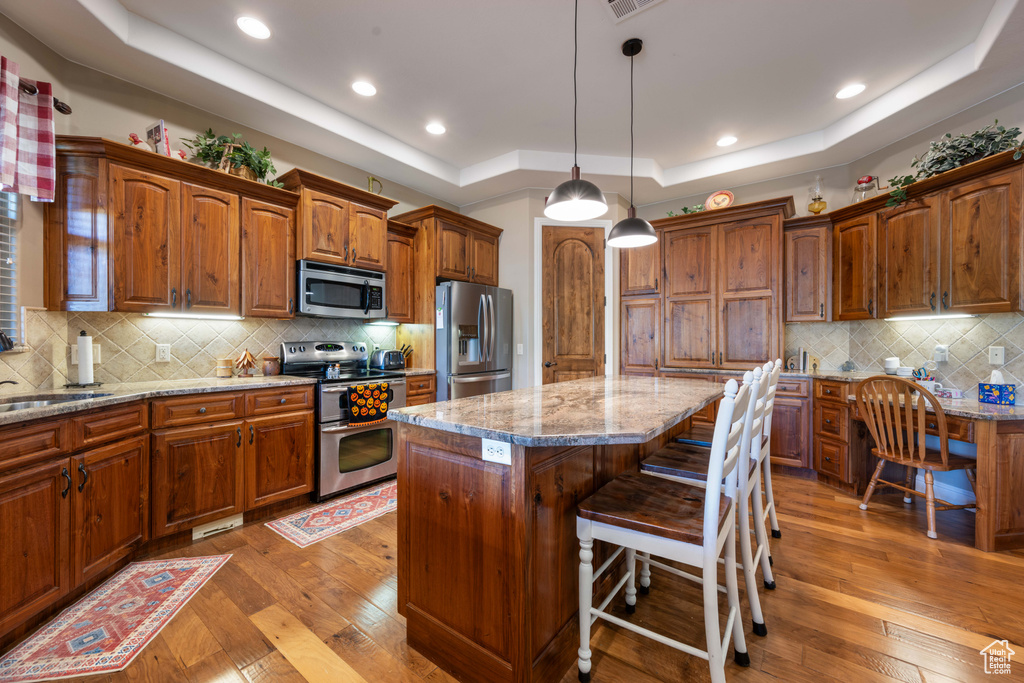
point(1000, 394)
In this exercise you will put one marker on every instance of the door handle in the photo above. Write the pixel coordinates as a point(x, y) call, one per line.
point(64, 473)
point(945, 295)
point(188, 298)
point(655, 284)
point(252, 434)
point(931, 301)
point(821, 312)
point(871, 306)
point(174, 297)
point(85, 476)
point(346, 252)
point(719, 357)
point(549, 364)
point(291, 305)
point(491, 334)
point(239, 444)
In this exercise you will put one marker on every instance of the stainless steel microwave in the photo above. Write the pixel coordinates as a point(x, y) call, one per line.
point(330, 291)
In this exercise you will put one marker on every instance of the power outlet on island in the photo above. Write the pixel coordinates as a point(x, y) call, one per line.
point(496, 451)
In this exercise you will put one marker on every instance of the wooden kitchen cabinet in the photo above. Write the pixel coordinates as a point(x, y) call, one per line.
point(690, 297)
point(807, 243)
point(640, 270)
point(197, 475)
point(640, 324)
point(401, 269)
point(452, 251)
point(368, 237)
point(483, 258)
point(981, 245)
point(324, 231)
point(210, 281)
point(908, 254)
point(145, 225)
point(278, 458)
point(854, 268)
point(35, 567)
point(268, 260)
point(109, 507)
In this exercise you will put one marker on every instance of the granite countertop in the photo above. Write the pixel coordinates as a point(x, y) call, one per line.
point(126, 393)
point(410, 372)
point(835, 375)
point(601, 410)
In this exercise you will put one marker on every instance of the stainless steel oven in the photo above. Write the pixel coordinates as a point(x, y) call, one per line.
point(330, 291)
point(354, 454)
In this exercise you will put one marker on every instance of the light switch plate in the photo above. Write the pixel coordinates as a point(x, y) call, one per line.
point(996, 355)
point(95, 354)
point(941, 353)
point(497, 451)
point(519, 349)
point(163, 353)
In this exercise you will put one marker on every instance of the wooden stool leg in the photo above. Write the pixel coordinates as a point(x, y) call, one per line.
point(910, 483)
point(971, 473)
point(586, 600)
point(929, 494)
point(631, 581)
point(872, 484)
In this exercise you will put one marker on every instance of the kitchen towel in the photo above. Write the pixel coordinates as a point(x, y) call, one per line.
point(8, 121)
point(36, 174)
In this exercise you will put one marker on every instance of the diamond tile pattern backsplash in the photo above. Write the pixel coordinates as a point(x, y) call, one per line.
point(867, 343)
point(127, 344)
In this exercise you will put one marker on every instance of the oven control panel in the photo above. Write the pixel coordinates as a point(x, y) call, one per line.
point(323, 352)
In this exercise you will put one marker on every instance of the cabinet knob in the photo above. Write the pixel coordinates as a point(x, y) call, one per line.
point(283, 401)
point(828, 391)
point(932, 425)
point(828, 422)
point(202, 411)
point(828, 459)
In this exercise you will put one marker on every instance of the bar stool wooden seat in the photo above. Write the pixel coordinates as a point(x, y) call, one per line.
point(677, 522)
point(896, 419)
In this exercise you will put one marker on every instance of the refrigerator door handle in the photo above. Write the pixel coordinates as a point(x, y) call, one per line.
point(491, 325)
point(479, 378)
point(483, 332)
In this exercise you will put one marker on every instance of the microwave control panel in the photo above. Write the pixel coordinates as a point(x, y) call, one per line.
point(376, 295)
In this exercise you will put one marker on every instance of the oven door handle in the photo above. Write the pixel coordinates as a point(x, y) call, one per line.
point(335, 430)
point(339, 390)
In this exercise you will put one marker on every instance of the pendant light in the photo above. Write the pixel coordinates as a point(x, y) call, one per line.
point(575, 199)
point(631, 231)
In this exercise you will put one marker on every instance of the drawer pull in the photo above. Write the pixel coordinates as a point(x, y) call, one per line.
point(202, 411)
point(828, 422)
point(932, 425)
point(828, 391)
point(283, 401)
point(828, 459)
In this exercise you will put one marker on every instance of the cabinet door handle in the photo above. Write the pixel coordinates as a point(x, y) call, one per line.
point(290, 305)
point(871, 306)
point(252, 434)
point(64, 473)
point(655, 284)
point(239, 444)
point(174, 297)
point(85, 476)
point(945, 296)
point(931, 301)
point(821, 311)
point(346, 252)
point(719, 357)
point(188, 298)
point(655, 363)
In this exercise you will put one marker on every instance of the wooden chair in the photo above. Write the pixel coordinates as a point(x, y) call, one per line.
point(677, 522)
point(896, 419)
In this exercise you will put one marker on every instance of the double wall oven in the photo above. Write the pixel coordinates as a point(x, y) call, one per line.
point(348, 454)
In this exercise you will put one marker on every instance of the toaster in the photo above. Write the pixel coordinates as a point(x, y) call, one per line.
point(387, 360)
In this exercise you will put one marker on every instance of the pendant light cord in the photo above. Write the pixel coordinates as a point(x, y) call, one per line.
point(575, 97)
point(631, 130)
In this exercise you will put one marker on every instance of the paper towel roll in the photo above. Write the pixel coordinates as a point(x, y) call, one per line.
point(84, 359)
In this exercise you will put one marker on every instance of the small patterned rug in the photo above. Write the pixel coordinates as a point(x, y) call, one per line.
point(104, 631)
point(323, 521)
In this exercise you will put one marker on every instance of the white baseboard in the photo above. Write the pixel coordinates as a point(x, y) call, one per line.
point(954, 495)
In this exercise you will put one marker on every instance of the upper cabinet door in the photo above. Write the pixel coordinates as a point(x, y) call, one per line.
point(452, 251)
point(690, 297)
point(268, 260)
point(640, 269)
point(210, 251)
point(368, 235)
point(808, 255)
point(483, 262)
point(145, 215)
point(908, 252)
point(749, 331)
point(981, 243)
point(854, 269)
point(401, 278)
point(325, 228)
point(641, 336)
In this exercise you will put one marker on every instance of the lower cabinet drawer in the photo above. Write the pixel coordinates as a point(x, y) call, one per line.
point(420, 384)
point(830, 457)
point(793, 387)
point(284, 400)
point(21, 445)
point(419, 400)
point(827, 390)
point(196, 409)
point(113, 423)
point(832, 420)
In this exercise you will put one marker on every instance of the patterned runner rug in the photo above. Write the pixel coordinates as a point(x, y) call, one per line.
point(323, 521)
point(104, 631)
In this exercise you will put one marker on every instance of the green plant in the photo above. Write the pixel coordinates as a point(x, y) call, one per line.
point(258, 160)
point(208, 147)
point(696, 208)
point(951, 152)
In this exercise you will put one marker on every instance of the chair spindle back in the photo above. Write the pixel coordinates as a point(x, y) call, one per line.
point(897, 420)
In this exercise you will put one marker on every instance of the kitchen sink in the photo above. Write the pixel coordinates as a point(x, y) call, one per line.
point(25, 402)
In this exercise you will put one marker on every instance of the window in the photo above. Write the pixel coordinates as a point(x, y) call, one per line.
point(8, 265)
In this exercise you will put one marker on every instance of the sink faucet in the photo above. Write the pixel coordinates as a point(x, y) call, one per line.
point(6, 343)
point(7, 381)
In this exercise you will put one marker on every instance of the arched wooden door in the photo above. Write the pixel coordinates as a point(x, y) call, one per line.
point(573, 296)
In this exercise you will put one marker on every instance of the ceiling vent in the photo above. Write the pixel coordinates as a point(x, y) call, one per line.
point(624, 9)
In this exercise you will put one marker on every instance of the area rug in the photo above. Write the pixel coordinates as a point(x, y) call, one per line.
point(104, 631)
point(323, 521)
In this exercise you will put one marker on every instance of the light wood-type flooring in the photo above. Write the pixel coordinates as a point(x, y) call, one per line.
point(862, 596)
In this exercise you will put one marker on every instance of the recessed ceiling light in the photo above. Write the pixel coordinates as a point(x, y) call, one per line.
point(726, 140)
point(365, 89)
point(435, 128)
point(850, 91)
point(253, 27)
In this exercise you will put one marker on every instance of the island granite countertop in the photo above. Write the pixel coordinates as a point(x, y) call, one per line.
point(600, 410)
point(113, 394)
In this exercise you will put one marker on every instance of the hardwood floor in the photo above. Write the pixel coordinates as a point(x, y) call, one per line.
point(862, 596)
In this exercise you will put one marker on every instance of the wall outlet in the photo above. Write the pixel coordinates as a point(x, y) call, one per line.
point(519, 349)
point(497, 451)
point(163, 353)
point(95, 354)
point(996, 355)
point(941, 353)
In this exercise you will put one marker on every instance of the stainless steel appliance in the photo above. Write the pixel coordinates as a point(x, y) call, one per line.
point(473, 340)
point(330, 291)
point(387, 360)
point(348, 455)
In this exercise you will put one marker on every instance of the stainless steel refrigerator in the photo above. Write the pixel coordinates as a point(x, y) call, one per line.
point(474, 340)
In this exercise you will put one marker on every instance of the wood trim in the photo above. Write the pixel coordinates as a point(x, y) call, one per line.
point(822, 220)
point(297, 178)
point(435, 211)
point(783, 205)
point(403, 229)
point(143, 159)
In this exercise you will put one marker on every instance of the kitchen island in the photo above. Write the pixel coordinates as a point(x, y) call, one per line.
point(487, 552)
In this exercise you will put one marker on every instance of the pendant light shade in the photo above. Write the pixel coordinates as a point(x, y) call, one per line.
point(631, 231)
point(575, 199)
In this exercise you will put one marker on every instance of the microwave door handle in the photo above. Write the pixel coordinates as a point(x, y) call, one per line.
point(366, 297)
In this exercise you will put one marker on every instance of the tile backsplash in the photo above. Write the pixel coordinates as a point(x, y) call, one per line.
point(127, 344)
point(867, 343)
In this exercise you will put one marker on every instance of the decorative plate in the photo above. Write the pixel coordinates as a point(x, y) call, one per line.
point(719, 200)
